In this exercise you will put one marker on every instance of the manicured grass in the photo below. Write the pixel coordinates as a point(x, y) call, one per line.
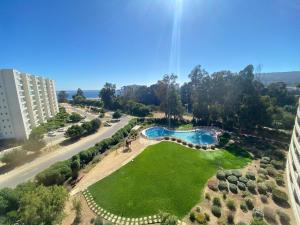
point(166, 176)
point(185, 127)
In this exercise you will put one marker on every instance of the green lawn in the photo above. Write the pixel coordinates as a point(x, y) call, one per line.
point(166, 176)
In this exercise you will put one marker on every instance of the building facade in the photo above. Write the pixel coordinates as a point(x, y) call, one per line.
point(293, 168)
point(25, 102)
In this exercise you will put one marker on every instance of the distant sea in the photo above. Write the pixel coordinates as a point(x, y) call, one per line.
point(87, 93)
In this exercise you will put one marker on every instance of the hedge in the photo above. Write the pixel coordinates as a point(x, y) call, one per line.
point(59, 172)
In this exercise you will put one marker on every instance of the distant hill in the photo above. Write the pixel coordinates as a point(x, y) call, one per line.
point(290, 78)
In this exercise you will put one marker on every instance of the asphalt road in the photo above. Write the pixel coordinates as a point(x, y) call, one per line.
point(29, 170)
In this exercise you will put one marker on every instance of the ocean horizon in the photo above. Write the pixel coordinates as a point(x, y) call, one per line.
point(87, 93)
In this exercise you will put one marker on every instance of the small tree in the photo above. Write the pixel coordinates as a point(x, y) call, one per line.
point(75, 117)
point(74, 132)
point(117, 114)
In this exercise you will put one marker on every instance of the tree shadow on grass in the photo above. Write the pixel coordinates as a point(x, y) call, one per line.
point(238, 151)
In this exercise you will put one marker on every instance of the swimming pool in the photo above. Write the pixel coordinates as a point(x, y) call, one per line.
point(196, 137)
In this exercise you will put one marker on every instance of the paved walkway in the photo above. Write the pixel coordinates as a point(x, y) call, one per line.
point(110, 163)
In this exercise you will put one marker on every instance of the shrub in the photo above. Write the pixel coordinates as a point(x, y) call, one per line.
point(198, 146)
point(270, 185)
point(221, 175)
point(233, 188)
point(217, 201)
point(173, 139)
point(249, 203)
point(192, 216)
point(250, 175)
point(190, 145)
point(178, 140)
point(204, 147)
point(207, 217)
point(243, 206)
point(262, 188)
point(257, 214)
point(223, 186)
point(167, 138)
point(271, 171)
point(269, 215)
point(201, 218)
point(212, 185)
point(230, 218)
point(265, 160)
point(263, 165)
point(263, 171)
point(207, 196)
point(279, 196)
point(216, 211)
point(241, 186)
point(264, 198)
point(279, 165)
point(283, 217)
point(224, 195)
point(251, 185)
point(184, 143)
point(243, 179)
point(117, 114)
point(246, 194)
point(14, 157)
point(279, 180)
point(237, 173)
point(231, 205)
point(228, 173)
point(232, 179)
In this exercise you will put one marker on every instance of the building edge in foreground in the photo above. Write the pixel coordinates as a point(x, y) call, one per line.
point(293, 168)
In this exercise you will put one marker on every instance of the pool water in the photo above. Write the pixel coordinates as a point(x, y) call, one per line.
point(196, 137)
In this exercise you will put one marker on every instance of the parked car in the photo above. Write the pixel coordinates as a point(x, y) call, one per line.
point(61, 129)
point(106, 124)
point(51, 134)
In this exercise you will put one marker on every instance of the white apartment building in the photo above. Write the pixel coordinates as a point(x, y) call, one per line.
point(25, 102)
point(293, 168)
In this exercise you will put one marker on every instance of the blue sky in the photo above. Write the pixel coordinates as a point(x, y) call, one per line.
point(86, 43)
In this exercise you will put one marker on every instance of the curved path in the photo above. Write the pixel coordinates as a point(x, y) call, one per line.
point(29, 170)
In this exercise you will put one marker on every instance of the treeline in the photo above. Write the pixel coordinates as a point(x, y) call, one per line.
point(62, 171)
point(227, 99)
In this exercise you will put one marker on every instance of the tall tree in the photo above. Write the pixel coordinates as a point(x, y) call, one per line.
point(79, 96)
point(107, 94)
point(62, 96)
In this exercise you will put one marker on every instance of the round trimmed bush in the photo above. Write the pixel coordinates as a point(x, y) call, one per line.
point(231, 205)
point(173, 139)
point(262, 188)
point(192, 216)
point(241, 186)
point(243, 179)
point(249, 203)
point(263, 171)
point(167, 138)
point(221, 175)
point(270, 185)
point(232, 179)
point(237, 173)
point(265, 160)
point(279, 197)
point(233, 188)
point(184, 143)
point(251, 185)
point(278, 164)
point(178, 140)
point(201, 218)
point(243, 206)
point(258, 222)
point(230, 218)
point(264, 198)
point(198, 146)
point(217, 201)
point(283, 217)
point(223, 186)
point(190, 145)
point(271, 171)
point(228, 173)
point(263, 165)
point(216, 211)
point(250, 175)
point(258, 214)
point(279, 180)
point(207, 196)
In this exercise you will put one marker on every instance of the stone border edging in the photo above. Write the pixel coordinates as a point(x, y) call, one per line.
point(118, 219)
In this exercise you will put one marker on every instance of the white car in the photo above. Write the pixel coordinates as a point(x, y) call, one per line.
point(61, 129)
point(51, 134)
point(106, 124)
